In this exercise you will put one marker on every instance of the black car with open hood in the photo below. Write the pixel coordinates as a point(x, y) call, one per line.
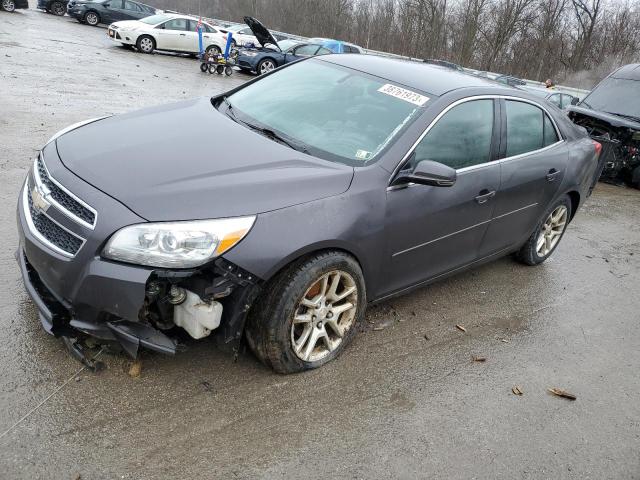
point(611, 115)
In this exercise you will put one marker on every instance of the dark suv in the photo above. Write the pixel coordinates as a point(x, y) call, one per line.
point(108, 11)
point(611, 114)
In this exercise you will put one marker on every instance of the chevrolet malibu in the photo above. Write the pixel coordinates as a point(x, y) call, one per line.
point(348, 179)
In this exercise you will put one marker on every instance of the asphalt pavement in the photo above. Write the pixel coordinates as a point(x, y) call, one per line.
point(405, 400)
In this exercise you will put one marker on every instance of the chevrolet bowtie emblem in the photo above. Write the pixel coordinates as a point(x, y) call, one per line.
point(39, 194)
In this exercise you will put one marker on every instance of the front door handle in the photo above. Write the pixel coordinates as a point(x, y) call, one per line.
point(552, 175)
point(183, 34)
point(485, 195)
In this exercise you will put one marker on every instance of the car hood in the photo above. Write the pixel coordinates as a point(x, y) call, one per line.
point(132, 24)
point(614, 120)
point(260, 32)
point(188, 161)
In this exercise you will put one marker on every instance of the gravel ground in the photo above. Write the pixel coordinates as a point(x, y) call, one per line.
point(406, 400)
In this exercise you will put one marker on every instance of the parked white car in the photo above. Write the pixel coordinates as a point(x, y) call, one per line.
point(241, 35)
point(176, 33)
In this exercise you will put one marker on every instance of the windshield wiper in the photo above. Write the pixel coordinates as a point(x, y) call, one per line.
point(630, 117)
point(267, 132)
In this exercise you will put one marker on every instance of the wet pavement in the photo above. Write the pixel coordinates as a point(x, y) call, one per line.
point(406, 400)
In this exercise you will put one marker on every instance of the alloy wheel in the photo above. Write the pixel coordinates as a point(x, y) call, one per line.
point(58, 9)
point(8, 5)
point(92, 18)
point(266, 66)
point(323, 316)
point(551, 231)
point(146, 45)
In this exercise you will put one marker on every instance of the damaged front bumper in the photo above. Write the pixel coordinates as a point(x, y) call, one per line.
point(127, 305)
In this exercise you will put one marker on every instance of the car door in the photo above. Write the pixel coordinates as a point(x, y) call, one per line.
point(171, 35)
point(191, 41)
point(133, 11)
point(533, 166)
point(300, 52)
point(433, 230)
point(113, 11)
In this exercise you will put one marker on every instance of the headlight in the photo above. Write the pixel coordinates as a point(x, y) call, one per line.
point(176, 244)
point(249, 54)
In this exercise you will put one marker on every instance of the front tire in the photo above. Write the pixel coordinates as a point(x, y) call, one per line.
point(92, 18)
point(308, 313)
point(146, 44)
point(265, 66)
point(8, 5)
point(547, 234)
point(58, 8)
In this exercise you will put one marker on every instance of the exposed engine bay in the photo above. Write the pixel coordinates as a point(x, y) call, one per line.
point(620, 160)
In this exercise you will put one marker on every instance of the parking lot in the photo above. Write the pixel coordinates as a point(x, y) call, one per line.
point(406, 400)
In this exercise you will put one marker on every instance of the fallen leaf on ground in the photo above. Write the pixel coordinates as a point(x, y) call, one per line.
point(562, 393)
point(461, 328)
point(517, 390)
point(426, 337)
point(479, 359)
point(135, 369)
point(504, 340)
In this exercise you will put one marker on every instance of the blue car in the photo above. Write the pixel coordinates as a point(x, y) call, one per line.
point(273, 54)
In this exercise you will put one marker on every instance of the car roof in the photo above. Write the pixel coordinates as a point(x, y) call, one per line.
point(427, 77)
point(628, 72)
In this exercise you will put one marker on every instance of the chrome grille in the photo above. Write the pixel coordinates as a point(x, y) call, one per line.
point(66, 202)
point(52, 232)
point(43, 200)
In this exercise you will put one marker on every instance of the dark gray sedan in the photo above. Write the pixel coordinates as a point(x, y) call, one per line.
point(347, 179)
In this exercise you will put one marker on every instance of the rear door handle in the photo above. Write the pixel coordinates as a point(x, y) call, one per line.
point(552, 175)
point(485, 195)
point(183, 34)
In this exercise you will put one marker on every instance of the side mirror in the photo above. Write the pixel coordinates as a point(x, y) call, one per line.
point(575, 101)
point(428, 172)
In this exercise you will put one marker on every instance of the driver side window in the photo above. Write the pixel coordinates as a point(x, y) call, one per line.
point(461, 138)
point(305, 50)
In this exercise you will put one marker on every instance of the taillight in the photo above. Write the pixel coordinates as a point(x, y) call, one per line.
point(598, 146)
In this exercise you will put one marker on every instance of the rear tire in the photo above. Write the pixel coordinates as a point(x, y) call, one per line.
point(547, 234)
point(92, 18)
point(213, 48)
point(146, 44)
point(8, 5)
point(58, 8)
point(326, 316)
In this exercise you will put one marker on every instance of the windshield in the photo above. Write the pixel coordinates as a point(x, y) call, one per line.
point(287, 44)
point(155, 19)
point(615, 95)
point(338, 114)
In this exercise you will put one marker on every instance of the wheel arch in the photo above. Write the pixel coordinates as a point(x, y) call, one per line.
point(574, 196)
point(302, 254)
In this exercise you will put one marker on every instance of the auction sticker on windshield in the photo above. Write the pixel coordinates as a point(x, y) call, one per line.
point(403, 94)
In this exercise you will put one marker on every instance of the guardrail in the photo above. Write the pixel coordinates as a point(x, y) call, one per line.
point(576, 92)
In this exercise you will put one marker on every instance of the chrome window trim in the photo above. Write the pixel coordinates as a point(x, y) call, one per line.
point(36, 175)
point(480, 165)
point(34, 231)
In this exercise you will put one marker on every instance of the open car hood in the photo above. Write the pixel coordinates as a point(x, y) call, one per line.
point(260, 32)
point(614, 120)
